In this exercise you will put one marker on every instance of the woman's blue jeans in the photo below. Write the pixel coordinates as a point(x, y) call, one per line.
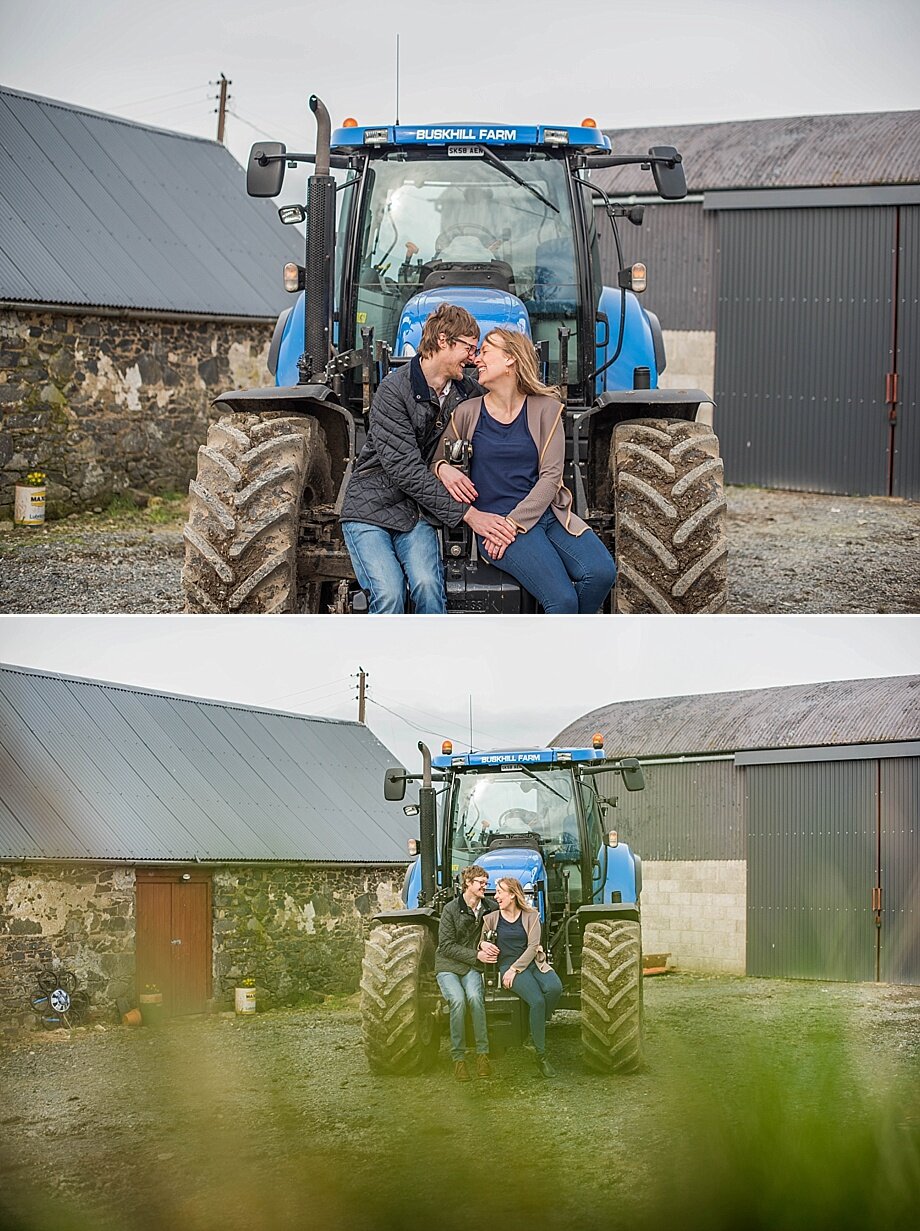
point(541, 991)
point(458, 992)
point(385, 561)
point(566, 573)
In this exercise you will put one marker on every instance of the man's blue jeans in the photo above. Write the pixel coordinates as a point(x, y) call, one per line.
point(458, 992)
point(385, 561)
point(566, 573)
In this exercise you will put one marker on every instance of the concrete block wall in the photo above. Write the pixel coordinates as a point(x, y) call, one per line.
point(695, 910)
point(691, 363)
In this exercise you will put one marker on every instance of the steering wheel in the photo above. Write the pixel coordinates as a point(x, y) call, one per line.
point(454, 232)
point(517, 816)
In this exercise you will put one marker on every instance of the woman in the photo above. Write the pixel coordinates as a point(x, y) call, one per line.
point(522, 962)
point(518, 452)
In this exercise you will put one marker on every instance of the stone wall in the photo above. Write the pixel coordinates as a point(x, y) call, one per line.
point(296, 929)
point(106, 403)
point(73, 916)
point(696, 911)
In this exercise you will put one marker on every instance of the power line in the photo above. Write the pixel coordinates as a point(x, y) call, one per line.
point(156, 97)
point(312, 688)
point(254, 127)
point(414, 725)
point(440, 718)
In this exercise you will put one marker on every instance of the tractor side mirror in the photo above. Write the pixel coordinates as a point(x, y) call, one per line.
point(394, 784)
point(671, 182)
point(633, 777)
point(265, 172)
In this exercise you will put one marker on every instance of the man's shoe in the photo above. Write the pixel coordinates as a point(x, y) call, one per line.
point(461, 1072)
point(529, 1045)
point(483, 1067)
point(545, 1068)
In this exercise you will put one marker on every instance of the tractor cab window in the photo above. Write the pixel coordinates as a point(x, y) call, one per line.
point(436, 222)
point(491, 812)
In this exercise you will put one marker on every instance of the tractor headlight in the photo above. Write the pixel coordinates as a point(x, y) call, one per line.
point(376, 136)
point(555, 136)
point(294, 277)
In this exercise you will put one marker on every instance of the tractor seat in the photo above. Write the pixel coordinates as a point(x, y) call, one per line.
point(497, 275)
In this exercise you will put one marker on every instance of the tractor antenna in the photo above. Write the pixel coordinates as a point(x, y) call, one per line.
point(397, 78)
point(471, 722)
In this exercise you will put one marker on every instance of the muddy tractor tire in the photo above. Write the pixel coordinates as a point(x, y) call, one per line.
point(611, 996)
point(671, 543)
point(399, 999)
point(254, 476)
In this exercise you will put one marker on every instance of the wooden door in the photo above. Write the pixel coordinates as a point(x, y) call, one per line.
point(173, 942)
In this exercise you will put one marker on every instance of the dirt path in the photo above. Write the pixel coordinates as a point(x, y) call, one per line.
point(789, 552)
point(763, 1103)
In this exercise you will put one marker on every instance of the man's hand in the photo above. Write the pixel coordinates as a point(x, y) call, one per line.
point(490, 525)
point(459, 485)
point(487, 952)
point(508, 976)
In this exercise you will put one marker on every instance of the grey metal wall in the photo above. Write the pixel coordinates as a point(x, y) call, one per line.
point(693, 810)
point(899, 958)
point(804, 341)
point(678, 243)
point(812, 852)
point(906, 468)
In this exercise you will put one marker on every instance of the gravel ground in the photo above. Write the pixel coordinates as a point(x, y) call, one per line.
point(790, 552)
point(764, 1104)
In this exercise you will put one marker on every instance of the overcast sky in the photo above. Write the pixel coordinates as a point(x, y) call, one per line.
point(527, 677)
point(654, 62)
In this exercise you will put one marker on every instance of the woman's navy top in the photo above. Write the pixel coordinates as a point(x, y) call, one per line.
point(512, 941)
point(505, 464)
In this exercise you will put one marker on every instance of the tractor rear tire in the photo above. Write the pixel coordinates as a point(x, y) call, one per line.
point(671, 544)
point(611, 996)
point(399, 999)
point(254, 476)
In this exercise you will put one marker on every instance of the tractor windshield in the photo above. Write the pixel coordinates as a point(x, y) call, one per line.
point(488, 808)
point(426, 219)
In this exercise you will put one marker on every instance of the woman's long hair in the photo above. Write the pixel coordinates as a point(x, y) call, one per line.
point(512, 885)
point(520, 349)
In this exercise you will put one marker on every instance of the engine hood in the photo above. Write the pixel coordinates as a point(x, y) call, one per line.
point(524, 864)
point(493, 309)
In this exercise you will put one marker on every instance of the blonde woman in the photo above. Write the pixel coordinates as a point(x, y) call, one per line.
point(518, 453)
point(522, 961)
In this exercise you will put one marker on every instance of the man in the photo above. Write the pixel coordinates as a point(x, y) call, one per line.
point(455, 968)
point(393, 501)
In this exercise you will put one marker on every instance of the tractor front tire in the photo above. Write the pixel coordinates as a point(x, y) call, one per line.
point(671, 544)
point(611, 996)
point(254, 476)
point(399, 999)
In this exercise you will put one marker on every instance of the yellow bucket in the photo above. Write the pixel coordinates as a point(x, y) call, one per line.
point(29, 507)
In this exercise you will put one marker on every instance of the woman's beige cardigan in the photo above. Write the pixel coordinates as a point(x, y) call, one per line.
point(544, 421)
point(534, 951)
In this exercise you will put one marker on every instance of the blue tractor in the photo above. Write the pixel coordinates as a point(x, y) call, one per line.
point(534, 814)
point(500, 219)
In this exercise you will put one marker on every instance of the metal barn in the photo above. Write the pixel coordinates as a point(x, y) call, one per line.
point(795, 261)
point(780, 825)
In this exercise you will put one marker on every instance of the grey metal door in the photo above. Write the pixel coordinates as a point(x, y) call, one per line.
point(899, 848)
point(803, 346)
point(906, 430)
point(812, 862)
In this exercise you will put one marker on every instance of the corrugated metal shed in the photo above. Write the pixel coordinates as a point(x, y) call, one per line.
point(809, 151)
point(100, 211)
point(797, 716)
point(92, 770)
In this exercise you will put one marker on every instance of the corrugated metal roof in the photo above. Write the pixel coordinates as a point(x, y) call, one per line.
point(797, 716)
point(807, 151)
point(101, 211)
point(93, 770)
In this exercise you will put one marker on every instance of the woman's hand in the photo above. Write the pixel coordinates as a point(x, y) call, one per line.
point(459, 485)
point(508, 976)
point(490, 526)
point(496, 550)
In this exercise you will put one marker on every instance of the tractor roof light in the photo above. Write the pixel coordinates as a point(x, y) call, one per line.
point(447, 748)
point(597, 740)
point(556, 136)
point(376, 136)
point(350, 123)
point(588, 122)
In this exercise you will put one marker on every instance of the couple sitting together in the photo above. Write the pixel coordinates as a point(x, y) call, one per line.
point(513, 499)
point(522, 966)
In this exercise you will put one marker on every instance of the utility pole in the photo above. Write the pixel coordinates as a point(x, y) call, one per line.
point(362, 676)
point(222, 106)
